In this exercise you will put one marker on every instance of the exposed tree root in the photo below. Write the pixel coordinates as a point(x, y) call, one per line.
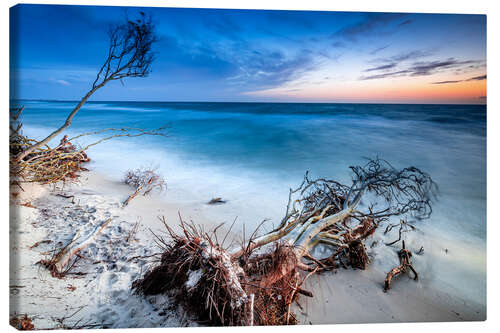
point(405, 266)
point(257, 283)
point(200, 275)
point(47, 165)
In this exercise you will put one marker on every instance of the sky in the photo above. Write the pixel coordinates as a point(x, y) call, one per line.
point(255, 55)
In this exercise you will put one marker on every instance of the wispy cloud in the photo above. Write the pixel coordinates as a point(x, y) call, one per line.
point(406, 22)
point(382, 67)
point(422, 68)
point(63, 82)
point(271, 68)
point(428, 67)
point(225, 27)
point(394, 61)
point(403, 56)
point(369, 24)
point(339, 44)
point(378, 49)
point(385, 75)
point(476, 78)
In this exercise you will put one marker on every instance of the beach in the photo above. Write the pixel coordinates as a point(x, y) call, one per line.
point(102, 295)
point(249, 155)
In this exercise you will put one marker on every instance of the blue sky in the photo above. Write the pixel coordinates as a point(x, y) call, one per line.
point(249, 55)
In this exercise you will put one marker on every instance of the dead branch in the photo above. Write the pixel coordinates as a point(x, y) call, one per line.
point(62, 261)
point(405, 266)
point(216, 284)
point(132, 233)
point(129, 55)
point(404, 227)
point(48, 165)
point(143, 180)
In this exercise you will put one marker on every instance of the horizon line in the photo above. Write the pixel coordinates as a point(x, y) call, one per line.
point(248, 102)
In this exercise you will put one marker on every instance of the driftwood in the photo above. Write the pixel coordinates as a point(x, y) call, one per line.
point(63, 162)
point(216, 201)
point(143, 180)
point(405, 266)
point(216, 284)
point(61, 262)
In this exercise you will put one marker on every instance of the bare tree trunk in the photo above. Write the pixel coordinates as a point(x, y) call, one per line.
point(129, 55)
point(66, 124)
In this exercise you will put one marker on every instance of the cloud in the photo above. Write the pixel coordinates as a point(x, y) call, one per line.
point(447, 82)
point(382, 67)
point(225, 27)
point(476, 78)
point(282, 36)
point(428, 67)
point(271, 68)
point(422, 68)
point(377, 50)
point(404, 56)
point(395, 60)
point(235, 63)
point(405, 22)
point(339, 44)
point(416, 54)
point(370, 23)
point(63, 82)
point(385, 75)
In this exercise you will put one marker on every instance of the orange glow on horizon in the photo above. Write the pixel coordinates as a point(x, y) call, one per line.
point(397, 90)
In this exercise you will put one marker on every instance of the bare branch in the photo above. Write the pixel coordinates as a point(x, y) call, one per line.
point(129, 55)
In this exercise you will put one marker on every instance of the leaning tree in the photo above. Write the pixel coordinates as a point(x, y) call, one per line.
point(258, 282)
point(129, 54)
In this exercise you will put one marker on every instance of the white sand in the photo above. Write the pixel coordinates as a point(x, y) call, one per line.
point(102, 296)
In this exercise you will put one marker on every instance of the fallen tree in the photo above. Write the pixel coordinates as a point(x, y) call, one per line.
point(257, 283)
point(64, 161)
point(129, 54)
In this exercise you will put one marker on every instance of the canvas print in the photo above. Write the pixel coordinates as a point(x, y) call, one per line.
point(226, 167)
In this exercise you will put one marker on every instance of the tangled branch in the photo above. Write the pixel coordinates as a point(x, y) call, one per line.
point(47, 164)
point(320, 212)
point(143, 180)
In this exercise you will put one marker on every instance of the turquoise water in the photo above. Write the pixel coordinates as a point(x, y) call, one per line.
point(279, 142)
point(251, 153)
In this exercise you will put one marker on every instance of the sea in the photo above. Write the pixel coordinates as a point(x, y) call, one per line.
point(250, 154)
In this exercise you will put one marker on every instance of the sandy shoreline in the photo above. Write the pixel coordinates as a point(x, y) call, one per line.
point(102, 297)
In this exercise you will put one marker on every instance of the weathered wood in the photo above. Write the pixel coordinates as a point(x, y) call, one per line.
point(404, 265)
point(132, 196)
point(81, 239)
